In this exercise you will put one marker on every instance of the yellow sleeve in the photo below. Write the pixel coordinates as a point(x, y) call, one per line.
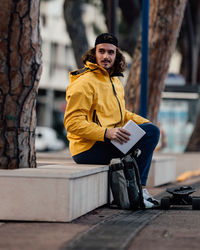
point(79, 103)
point(134, 117)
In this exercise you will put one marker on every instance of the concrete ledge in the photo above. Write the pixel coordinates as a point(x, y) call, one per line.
point(60, 190)
point(54, 193)
point(162, 171)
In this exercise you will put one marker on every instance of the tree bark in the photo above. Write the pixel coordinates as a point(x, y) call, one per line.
point(20, 70)
point(189, 43)
point(76, 28)
point(194, 141)
point(165, 21)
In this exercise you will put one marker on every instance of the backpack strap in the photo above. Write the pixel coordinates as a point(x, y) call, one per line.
point(135, 165)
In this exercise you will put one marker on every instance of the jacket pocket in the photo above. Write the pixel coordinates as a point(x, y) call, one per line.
point(95, 118)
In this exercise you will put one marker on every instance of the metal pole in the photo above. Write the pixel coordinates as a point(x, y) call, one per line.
point(112, 16)
point(144, 62)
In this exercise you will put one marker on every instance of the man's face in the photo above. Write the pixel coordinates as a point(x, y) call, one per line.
point(105, 55)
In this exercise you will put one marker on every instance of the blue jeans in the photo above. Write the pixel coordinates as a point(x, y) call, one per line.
point(103, 152)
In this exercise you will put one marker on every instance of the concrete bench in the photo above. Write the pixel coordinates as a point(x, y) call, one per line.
point(60, 190)
point(52, 193)
point(162, 171)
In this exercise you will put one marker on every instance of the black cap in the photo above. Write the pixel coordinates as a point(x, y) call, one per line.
point(106, 38)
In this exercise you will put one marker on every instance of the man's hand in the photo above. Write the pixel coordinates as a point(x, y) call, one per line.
point(118, 134)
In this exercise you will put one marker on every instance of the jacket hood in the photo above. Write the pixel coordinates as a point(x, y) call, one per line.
point(89, 66)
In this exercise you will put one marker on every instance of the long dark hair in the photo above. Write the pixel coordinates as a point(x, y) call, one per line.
point(118, 67)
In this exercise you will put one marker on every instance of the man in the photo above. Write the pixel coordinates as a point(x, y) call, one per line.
point(95, 112)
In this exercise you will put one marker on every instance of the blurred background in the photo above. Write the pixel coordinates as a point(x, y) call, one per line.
point(180, 98)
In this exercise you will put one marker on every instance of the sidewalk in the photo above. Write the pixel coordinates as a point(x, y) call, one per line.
point(178, 228)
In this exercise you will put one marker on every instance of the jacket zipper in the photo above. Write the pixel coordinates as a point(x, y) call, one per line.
point(115, 94)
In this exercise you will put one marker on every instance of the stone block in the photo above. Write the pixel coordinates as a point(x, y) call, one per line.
point(52, 193)
point(162, 171)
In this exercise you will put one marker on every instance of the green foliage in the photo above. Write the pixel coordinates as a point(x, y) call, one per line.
point(123, 28)
point(96, 29)
point(96, 3)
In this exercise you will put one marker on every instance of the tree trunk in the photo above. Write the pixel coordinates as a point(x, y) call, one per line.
point(76, 28)
point(165, 21)
point(20, 71)
point(131, 11)
point(194, 141)
point(189, 43)
point(131, 23)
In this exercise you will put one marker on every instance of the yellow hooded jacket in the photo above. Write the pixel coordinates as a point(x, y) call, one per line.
point(95, 101)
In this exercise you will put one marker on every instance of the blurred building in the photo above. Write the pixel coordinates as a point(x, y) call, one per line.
point(58, 60)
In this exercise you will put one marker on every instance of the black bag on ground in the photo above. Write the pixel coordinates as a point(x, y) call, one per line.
point(124, 181)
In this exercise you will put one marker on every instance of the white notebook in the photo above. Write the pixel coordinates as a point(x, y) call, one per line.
point(136, 134)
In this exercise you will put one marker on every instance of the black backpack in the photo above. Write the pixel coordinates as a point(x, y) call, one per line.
point(124, 182)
